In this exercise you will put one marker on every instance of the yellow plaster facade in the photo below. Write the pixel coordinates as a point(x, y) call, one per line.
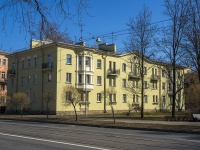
point(48, 67)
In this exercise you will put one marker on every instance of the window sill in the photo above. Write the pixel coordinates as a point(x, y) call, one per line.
point(99, 102)
point(68, 64)
point(155, 103)
point(99, 68)
point(99, 85)
point(68, 83)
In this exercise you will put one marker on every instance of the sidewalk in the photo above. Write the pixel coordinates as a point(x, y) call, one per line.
point(182, 123)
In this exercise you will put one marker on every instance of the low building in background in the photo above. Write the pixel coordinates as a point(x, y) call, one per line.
point(192, 92)
point(49, 66)
point(3, 80)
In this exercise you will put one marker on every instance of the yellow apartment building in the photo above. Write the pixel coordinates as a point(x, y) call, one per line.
point(48, 67)
point(3, 80)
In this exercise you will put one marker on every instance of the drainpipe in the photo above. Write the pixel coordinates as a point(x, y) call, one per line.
point(105, 75)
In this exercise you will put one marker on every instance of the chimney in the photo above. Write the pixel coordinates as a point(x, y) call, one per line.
point(81, 43)
point(106, 47)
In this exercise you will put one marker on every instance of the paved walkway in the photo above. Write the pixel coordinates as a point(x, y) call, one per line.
point(186, 123)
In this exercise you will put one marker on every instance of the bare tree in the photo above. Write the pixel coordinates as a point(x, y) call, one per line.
point(192, 36)
point(110, 92)
point(48, 98)
point(141, 35)
point(21, 101)
point(71, 96)
point(52, 32)
point(171, 40)
point(28, 13)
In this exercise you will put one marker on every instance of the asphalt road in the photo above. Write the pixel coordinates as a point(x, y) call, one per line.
point(16, 135)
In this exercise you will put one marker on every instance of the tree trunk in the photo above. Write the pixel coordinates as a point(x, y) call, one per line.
point(21, 111)
point(142, 89)
point(113, 113)
point(47, 110)
point(75, 112)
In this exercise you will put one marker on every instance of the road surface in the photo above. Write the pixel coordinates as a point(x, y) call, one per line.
point(17, 135)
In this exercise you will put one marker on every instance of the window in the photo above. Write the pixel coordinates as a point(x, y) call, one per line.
point(34, 79)
point(110, 65)
point(3, 87)
point(114, 97)
point(35, 61)
point(145, 84)
point(110, 97)
point(155, 72)
point(80, 60)
point(152, 71)
point(155, 99)
point(123, 82)
point(22, 80)
point(80, 78)
point(3, 76)
point(163, 86)
point(22, 64)
point(98, 80)
point(163, 73)
point(98, 63)
point(29, 63)
point(68, 96)
point(28, 80)
point(34, 96)
point(124, 98)
point(170, 99)
point(169, 86)
point(145, 99)
point(136, 84)
point(69, 59)
point(68, 77)
point(163, 99)
point(88, 79)
point(145, 70)
point(114, 82)
point(98, 97)
point(12, 82)
point(4, 62)
point(87, 61)
point(110, 82)
point(135, 98)
point(154, 85)
point(13, 65)
point(49, 77)
point(123, 67)
point(114, 65)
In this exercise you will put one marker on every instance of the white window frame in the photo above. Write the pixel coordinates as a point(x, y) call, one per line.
point(49, 77)
point(124, 98)
point(34, 79)
point(68, 77)
point(80, 80)
point(28, 62)
point(28, 79)
point(98, 80)
point(123, 67)
point(98, 97)
point(87, 61)
point(99, 63)
point(69, 59)
point(4, 62)
point(145, 99)
point(123, 82)
point(35, 62)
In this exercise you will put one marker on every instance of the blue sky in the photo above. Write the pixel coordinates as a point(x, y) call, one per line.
point(105, 17)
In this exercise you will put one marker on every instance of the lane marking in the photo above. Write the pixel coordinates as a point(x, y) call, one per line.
point(51, 141)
